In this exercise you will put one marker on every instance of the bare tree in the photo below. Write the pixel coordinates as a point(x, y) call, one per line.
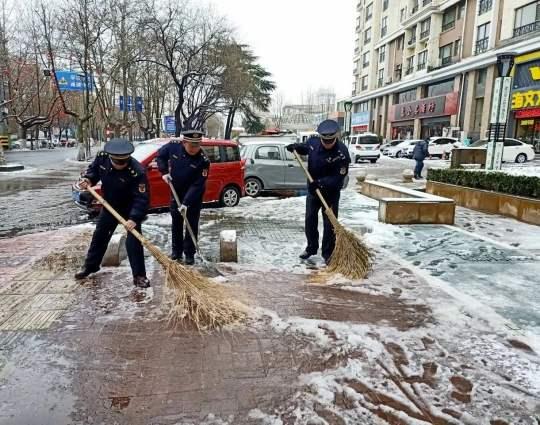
point(278, 102)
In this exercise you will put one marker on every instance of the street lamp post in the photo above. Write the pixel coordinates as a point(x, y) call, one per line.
point(348, 108)
point(499, 110)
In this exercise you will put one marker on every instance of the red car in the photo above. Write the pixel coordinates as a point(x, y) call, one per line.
point(225, 182)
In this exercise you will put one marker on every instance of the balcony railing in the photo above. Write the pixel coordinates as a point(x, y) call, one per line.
point(384, 30)
point(446, 61)
point(424, 34)
point(481, 46)
point(409, 70)
point(448, 25)
point(426, 2)
point(421, 66)
point(525, 29)
point(380, 82)
point(411, 41)
point(364, 88)
point(484, 6)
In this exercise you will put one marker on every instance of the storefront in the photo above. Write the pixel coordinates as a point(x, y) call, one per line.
point(526, 99)
point(434, 114)
point(402, 130)
point(359, 122)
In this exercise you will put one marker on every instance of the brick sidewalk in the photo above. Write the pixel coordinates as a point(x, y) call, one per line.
point(96, 356)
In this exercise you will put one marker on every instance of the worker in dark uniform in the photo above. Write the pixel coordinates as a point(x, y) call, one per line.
point(124, 186)
point(328, 164)
point(186, 166)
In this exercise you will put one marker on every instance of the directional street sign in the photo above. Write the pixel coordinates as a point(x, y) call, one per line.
point(169, 124)
point(505, 100)
point(496, 101)
point(73, 81)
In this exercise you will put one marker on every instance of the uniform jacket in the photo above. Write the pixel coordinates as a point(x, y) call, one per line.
point(126, 190)
point(420, 151)
point(328, 167)
point(188, 172)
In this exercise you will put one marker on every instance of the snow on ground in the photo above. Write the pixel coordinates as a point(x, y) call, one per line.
point(527, 169)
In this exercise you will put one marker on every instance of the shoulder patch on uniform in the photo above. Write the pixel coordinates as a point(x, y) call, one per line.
point(142, 187)
point(343, 171)
point(175, 156)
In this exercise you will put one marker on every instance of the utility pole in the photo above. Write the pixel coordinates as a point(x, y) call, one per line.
point(3, 83)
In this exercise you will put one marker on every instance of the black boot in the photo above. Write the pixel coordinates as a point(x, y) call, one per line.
point(85, 272)
point(305, 255)
point(190, 260)
point(176, 256)
point(141, 282)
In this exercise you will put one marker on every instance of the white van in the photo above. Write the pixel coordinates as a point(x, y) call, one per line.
point(364, 147)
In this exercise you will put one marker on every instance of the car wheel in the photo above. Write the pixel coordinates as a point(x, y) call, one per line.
point(373, 161)
point(253, 187)
point(399, 154)
point(229, 197)
point(521, 158)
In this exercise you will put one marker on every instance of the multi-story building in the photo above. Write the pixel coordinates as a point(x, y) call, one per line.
point(427, 67)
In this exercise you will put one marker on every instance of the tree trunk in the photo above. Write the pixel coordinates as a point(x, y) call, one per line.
point(230, 122)
point(178, 119)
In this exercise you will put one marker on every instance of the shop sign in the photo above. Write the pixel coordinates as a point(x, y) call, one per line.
point(424, 108)
point(360, 118)
point(525, 123)
point(528, 113)
point(525, 99)
point(527, 75)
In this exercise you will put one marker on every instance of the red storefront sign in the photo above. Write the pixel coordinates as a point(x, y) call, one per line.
point(360, 128)
point(528, 113)
point(424, 108)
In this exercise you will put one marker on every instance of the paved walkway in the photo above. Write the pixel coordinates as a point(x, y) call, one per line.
point(392, 349)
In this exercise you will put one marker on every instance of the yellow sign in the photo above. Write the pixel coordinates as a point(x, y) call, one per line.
point(525, 99)
point(526, 123)
point(535, 72)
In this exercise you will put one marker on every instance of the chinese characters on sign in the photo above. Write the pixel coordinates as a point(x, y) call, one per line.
point(418, 109)
point(525, 99)
point(429, 107)
point(72, 81)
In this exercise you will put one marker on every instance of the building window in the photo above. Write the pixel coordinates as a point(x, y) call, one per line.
point(380, 78)
point(445, 54)
point(460, 10)
point(406, 96)
point(384, 26)
point(364, 106)
point(426, 2)
point(382, 54)
point(422, 59)
point(415, 7)
point(365, 60)
point(449, 19)
point(481, 76)
point(369, 11)
point(399, 43)
point(424, 28)
point(364, 82)
point(457, 45)
point(403, 14)
point(367, 36)
point(482, 38)
point(527, 19)
point(438, 89)
point(397, 71)
point(484, 6)
point(384, 5)
point(412, 40)
point(410, 65)
point(478, 111)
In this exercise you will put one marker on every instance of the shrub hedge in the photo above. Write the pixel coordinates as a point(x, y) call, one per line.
point(527, 186)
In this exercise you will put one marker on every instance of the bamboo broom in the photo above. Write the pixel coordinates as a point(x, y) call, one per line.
point(207, 304)
point(351, 257)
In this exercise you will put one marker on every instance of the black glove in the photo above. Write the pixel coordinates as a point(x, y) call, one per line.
point(313, 186)
point(291, 147)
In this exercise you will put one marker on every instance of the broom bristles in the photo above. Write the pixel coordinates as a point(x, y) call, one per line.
point(207, 304)
point(351, 257)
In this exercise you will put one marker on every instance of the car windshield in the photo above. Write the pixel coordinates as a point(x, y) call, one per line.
point(143, 151)
point(368, 140)
point(479, 143)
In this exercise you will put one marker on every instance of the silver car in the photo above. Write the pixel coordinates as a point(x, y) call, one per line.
point(269, 166)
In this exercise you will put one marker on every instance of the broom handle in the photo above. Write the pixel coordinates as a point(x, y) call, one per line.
point(121, 219)
point(319, 194)
point(188, 226)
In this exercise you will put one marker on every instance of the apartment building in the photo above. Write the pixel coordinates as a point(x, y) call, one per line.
point(426, 67)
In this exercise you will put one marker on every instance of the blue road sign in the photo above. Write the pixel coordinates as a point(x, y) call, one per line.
point(138, 104)
point(169, 124)
point(129, 103)
point(73, 81)
point(121, 103)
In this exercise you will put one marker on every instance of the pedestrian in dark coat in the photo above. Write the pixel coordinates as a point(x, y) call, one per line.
point(420, 152)
point(328, 164)
point(185, 164)
point(125, 187)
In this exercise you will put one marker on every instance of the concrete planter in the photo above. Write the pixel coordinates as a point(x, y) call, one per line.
point(520, 208)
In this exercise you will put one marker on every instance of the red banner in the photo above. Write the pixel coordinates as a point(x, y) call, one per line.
point(528, 113)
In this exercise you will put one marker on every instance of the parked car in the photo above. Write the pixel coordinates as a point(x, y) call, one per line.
point(225, 182)
point(442, 146)
point(364, 147)
point(514, 150)
point(385, 146)
point(401, 149)
point(269, 166)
